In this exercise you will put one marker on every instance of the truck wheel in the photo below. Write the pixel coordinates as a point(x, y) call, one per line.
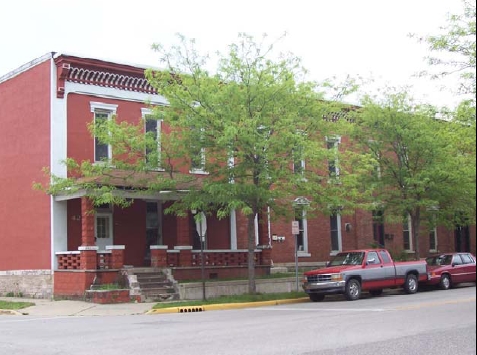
point(353, 290)
point(411, 284)
point(445, 282)
point(376, 292)
point(316, 297)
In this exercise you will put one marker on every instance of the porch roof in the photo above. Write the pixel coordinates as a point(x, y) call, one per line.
point(149, 185)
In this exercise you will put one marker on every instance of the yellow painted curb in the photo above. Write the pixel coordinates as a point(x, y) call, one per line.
point(225, 306)
point(9, 312)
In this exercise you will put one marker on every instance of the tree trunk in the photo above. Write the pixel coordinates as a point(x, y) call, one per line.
point(416, 224)
point(252, 288)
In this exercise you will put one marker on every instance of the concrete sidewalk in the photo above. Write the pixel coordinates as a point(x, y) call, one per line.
point(49, 308)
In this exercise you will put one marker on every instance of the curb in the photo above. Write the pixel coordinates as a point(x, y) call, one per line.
point(9, 312)
point(224, 306)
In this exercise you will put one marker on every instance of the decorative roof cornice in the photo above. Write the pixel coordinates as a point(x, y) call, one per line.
point(100, 73)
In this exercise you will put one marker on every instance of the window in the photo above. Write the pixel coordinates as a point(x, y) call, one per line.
point(302, 237)
point(335, 231)
point(433, 239)
point(385, 257)
point(152, 129)
point(372, 258)
point(298, 161)
point(457, 260)
point(407, 234)
point(102, 113)
point(197, 151)
point(467, 259)
point(332, 144)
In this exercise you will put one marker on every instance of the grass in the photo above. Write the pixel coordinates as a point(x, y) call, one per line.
point(14, 305)
point(233, 299)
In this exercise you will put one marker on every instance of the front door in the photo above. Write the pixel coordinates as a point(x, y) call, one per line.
point(103, 230)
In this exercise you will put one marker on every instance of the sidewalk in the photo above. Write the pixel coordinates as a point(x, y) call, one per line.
point(48, 308)
point(65, 308)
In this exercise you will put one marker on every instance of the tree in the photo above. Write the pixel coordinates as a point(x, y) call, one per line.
point(245, 130)
point(422, 169)
point(456, 48)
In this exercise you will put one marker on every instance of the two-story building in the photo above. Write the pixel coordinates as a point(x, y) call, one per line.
point(53, 245)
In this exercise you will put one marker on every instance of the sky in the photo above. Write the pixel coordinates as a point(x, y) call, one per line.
point(368, 38)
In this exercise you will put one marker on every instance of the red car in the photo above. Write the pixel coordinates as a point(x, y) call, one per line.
point(447, 270)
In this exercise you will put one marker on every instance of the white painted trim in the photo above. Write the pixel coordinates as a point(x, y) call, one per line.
point(183, 247)
point(158, 247)
point(113, 93)
point(115, 247)
point(233, 230)
point(88, 247)
point(103, 106)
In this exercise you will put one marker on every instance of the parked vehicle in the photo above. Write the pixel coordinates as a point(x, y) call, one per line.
point(447, 270)
point(373, 270)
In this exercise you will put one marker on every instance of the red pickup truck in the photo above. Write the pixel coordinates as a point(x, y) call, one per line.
point(372, 270)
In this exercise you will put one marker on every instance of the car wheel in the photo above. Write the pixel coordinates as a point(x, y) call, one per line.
point(316, 297)
point(353, 290)
point(445, 282)
point(376, 292)
point(411, 284)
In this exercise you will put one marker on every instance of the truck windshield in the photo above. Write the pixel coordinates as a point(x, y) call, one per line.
point(355, 258)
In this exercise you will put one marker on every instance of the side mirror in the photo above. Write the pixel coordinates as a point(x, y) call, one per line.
point(328, 263)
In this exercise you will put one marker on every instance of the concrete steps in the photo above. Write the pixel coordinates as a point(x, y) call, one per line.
point(154, 285)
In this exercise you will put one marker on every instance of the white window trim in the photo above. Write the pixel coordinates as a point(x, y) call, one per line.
point(110, 109)
point(148, 112)
point(336, 140)
point(340, 236)
point(435, 240)
point(409, 226)
point(110, 222)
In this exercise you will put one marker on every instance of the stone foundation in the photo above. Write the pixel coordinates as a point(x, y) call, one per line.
point(27, 283)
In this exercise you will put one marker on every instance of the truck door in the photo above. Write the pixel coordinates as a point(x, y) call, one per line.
point(389, 269)
point(374, 276)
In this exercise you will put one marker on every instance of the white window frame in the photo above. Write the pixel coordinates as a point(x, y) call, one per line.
point(433, 234)
point(336, 141)
point(409, 229)
point(201, 169)
point(304, 252)
point(110, 110)
point(340, 236)
point(148, 112)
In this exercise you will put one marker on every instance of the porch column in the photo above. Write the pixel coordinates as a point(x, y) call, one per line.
point(87, 222)
point(117, 255)
point(158, 255)
point(88, 257)
point(183, 231)
point(185, 256)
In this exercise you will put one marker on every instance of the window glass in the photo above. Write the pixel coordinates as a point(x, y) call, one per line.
point(101, 150)
point(334, 231)
point(457, 260)
point(385, 257)
point(373, 258)
point(466, 258)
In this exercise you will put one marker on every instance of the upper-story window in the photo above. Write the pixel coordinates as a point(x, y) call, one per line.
point(102, 114)
point(407, 233)
point(152, 129)
point(298, 161)
point(332, 143)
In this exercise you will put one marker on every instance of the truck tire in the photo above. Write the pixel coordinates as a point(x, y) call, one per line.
point(316, 297)
point(411, 284)
point(445, 282)
point(353, 290)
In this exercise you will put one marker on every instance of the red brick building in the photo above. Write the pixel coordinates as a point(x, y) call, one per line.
point(51, 245)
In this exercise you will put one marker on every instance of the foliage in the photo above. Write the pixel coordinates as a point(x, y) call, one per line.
point(455, 46)
point(423, 166)
point(15, 305)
